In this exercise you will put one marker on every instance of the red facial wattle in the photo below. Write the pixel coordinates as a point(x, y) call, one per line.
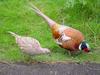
point(86, 50)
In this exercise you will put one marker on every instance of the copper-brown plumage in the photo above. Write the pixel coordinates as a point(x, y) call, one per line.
point(76, 38)
point(65, 36)
point(55, 33)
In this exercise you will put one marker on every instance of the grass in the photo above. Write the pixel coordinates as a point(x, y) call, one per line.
point(15, 16)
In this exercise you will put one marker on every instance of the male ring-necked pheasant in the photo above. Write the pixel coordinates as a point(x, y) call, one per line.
point(65, 36)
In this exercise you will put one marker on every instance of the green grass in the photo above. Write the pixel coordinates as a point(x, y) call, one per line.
point(15, 16)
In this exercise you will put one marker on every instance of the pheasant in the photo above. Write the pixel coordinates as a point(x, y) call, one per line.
point(66, 37)
point(29, 45)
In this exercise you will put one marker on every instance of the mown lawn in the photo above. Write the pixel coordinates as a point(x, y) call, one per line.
point(15, 16)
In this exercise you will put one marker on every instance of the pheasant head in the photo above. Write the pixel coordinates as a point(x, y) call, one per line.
point(84, 46)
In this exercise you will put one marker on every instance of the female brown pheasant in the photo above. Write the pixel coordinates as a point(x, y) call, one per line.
point(65, 36)
point(29, 45)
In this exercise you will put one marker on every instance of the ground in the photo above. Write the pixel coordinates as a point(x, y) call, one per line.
point(50, 69)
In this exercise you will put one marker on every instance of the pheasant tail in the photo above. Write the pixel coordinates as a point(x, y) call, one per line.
point(13, 34)
point(47, 19)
